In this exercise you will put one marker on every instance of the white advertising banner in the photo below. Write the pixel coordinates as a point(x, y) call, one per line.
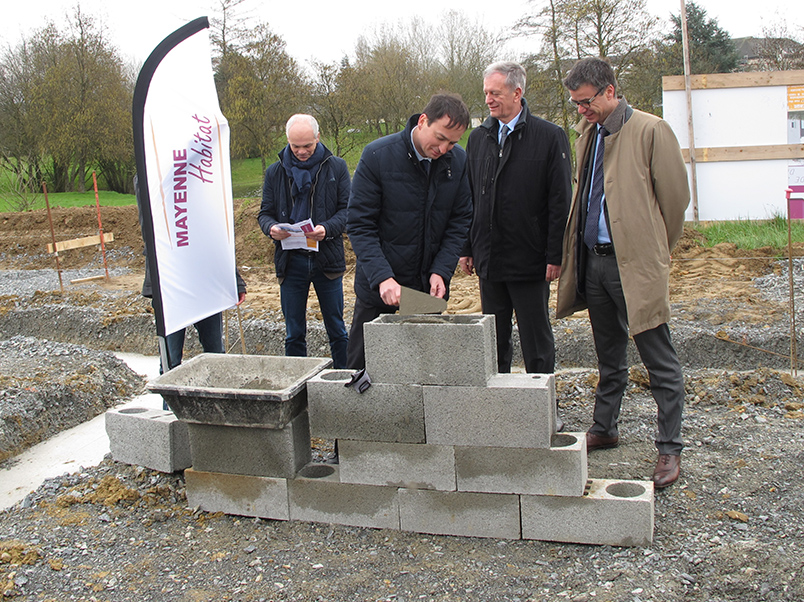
point(187, 188)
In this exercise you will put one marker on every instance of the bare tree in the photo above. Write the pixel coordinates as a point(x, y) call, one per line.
point(467, 49)
point(620, 30)
point(230, 27)
point(336, 104)
point(779, 49)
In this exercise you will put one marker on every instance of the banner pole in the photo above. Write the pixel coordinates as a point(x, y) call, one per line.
point(242, 335)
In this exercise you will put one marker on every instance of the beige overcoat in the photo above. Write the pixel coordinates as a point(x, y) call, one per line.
point(647, 193)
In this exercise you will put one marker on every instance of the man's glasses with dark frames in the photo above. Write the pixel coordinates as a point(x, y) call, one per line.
point(587, 102)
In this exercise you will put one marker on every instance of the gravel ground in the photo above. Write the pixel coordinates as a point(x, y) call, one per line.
point(24, 283)
point(731, 528)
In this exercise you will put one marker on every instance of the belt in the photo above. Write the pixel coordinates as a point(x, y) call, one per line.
point(603, 250)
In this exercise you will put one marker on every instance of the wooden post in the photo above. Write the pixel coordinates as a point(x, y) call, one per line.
point(793, 345)
point(685, 43)
point(100, 225)
point(53, 236)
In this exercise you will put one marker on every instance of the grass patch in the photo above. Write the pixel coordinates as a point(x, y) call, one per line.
point(247, 176)
point(752, 234)
point(75, 199)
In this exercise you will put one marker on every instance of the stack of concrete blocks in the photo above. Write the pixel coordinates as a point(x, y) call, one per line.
point(440, 443)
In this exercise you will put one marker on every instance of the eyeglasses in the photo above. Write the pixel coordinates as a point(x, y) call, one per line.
point(586, 103)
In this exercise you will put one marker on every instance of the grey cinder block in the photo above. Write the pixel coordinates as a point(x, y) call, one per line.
point(616, 513)
point(414, 466)
point(251, 451)
point(242, 495)
point(329, 501)
point(392, 413)
point(458, 513)
point(559, 470)
point(155, 439)
point(437, 349)
point(513, 410)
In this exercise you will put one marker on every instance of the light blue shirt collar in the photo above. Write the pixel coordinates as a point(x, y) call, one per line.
point(418, 156)
point(511, 124)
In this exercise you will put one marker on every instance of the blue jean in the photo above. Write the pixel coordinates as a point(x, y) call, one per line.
point(300, 273)
point(210, 335)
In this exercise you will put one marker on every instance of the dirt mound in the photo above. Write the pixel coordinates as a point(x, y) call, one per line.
point(46, 387)
point(721, 273)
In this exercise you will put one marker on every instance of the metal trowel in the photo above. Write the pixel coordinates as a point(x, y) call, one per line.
point(413, 302)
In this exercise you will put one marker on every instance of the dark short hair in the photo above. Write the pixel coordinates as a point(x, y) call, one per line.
point(592, 70)
point(452, 106)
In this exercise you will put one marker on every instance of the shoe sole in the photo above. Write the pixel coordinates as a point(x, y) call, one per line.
point(664, 485)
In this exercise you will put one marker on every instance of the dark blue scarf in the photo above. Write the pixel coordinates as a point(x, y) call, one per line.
point(300, 174)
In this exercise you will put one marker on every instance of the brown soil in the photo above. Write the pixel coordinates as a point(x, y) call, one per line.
point(722, 273)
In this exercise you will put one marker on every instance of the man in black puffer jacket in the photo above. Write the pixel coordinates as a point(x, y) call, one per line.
point(409, 213)
point(308, 182)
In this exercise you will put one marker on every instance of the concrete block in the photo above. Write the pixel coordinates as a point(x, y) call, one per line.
point(458, 513)
point(391, 413)
point(242, 495)
point(513, 410)
point(414, 466)
point(329, 501)
point(155, 439)
point(559, 470)
point(253, 451)
point(431, 349)
point(615, 513)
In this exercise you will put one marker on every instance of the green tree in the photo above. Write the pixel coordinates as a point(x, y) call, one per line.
point(66, 101)
point(19, 160)
point(711, 47)
point(259, 87)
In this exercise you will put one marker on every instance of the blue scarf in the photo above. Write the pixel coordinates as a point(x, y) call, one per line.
point(300, 174)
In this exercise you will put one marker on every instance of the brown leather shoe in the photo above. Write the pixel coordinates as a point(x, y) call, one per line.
point(667, 470)
point(597, 442)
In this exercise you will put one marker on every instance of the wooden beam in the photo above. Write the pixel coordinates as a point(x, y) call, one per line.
point(75, 243)
point(87, 279)
point(749, 79)
point(746, 153)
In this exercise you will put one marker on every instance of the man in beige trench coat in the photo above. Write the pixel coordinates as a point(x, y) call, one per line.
point(626, 216)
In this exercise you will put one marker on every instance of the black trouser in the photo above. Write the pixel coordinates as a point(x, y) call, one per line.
point(607, 314)
point(356, 351)
point(528, 298)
